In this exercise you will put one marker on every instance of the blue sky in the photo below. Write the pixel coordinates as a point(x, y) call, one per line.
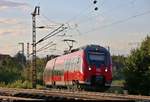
point(120, 24)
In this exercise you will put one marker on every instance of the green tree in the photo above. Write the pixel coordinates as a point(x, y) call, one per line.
point(20, 58)
point(41, 63)
point(10, 70)
point(118, 66)
point(40, 66)
point(137, 71)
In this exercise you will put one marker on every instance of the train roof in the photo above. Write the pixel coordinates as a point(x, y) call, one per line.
point(86, 47)
point(89, 47)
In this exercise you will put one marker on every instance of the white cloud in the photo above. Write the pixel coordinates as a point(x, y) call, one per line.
point(10, 32)
point(4, 32)
point(5, 4)
point(8, 28)
point(8, 21)
point(9, 49)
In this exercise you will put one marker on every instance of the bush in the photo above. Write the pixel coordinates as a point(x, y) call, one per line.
point(20, 84)
point(137, 71)
point(2, 84)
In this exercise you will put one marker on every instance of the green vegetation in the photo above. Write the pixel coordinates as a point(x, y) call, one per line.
point(133, 71)
point(118, 66)
point(16, 74)
point(20, 84)
point(137, 71)
point(118, 76)
point(10, 70)
point(41, 63)
point(118, 82)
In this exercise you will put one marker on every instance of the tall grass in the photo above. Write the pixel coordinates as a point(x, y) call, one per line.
point(17, 84)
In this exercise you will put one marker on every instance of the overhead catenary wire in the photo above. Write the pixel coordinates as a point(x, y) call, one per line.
point(46, 47)
point(118, 7)
point(54, 32)
point(81, 13)
point(119, 21)
point(78, 15)
point(46, 37)
point(51, 21)
point(89, 19)
point(46, 24)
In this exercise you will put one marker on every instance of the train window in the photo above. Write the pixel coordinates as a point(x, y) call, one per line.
point(97, 58)
point(66, 65)
point(71, 64)
point(78, 60)
point(78, 63)
point(100, 57)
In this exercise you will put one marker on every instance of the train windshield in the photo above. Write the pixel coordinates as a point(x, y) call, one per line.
point(97, 58)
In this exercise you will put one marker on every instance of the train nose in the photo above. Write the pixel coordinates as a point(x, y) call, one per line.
point(97, 80)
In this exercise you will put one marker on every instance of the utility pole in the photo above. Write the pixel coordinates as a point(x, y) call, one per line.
point(22, 52)
point(28, 51)
point(34, 76)
point(28, 63)
point(21, 43)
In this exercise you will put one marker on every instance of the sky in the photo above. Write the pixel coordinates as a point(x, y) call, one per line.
point(119, 24)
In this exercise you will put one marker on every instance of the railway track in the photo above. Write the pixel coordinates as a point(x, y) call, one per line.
point(11, 98)
point(48, 95)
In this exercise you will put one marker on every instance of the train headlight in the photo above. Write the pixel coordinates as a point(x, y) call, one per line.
point(90, 68)
point(106, 70)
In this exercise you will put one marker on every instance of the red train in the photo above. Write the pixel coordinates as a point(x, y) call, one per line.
point(89, 65)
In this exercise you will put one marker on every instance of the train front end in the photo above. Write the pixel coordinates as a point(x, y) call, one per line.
point(98, 66)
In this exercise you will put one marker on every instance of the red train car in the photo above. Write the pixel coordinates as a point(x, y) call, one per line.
point(88, 65)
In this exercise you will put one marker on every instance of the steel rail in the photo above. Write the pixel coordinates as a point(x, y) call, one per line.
point(83, 95)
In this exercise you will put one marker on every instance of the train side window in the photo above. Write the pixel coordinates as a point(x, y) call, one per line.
point(73, 64)
point(77, 62)
point(66, 65)
point(70, 64)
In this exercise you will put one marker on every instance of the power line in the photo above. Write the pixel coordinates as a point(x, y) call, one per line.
point(109, 11)
point(82, 12)
point(44, 16)
point(54, 32)
point(44, 46)
point(77, 16)
point(89, 19)
point(119, 21)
